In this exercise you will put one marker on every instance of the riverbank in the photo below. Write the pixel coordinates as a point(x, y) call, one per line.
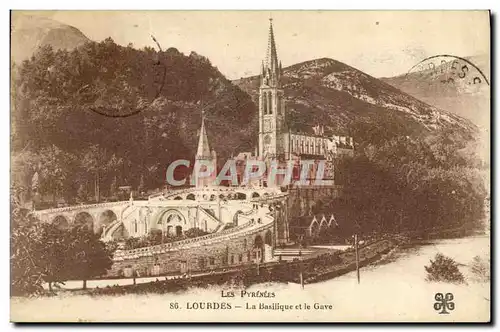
point(367, 255)
point(326, 264)
point(392, 289)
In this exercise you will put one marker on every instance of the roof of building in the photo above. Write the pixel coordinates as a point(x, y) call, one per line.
point(203, 147)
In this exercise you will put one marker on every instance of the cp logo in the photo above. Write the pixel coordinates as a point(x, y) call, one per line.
point(444, 303)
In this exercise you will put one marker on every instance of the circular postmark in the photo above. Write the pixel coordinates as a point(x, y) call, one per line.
point(451, 70)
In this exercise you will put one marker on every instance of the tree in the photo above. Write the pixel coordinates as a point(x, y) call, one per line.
point(90, 256)
point(82, 193)
point(55, 168)
point(403, 185)
point(93, 163)
point(155, 236)
point(480, 269)
point(37, 253)
point(142, 188)
point(444, 269)
point(41, 252)
point(132, 243)
point(114, 167)
point(113, 190)
point(52, 254)
point(45, 252)
point(27, 275)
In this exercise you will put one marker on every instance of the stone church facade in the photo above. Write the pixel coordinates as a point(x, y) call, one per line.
point(277, 141)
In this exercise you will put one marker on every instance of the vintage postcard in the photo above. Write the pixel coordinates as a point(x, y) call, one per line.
point(250, 166)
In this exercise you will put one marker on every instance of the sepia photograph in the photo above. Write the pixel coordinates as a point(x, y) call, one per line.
point(250, 166)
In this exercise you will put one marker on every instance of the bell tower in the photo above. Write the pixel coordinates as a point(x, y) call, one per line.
point(272, 125)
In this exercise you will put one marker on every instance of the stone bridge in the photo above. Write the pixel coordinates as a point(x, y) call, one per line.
point(94, 216)
point(211, 209)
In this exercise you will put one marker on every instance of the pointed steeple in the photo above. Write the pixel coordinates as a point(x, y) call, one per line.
point(271, 66)
point(206, 160)
point(203, 151)
point(272, 56)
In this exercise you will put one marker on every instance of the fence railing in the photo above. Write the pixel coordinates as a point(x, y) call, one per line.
point(80, 207)
point(221, 236)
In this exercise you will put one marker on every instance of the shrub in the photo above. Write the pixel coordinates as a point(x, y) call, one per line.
point(444, 269)
point(194, 232)
point(480, 269)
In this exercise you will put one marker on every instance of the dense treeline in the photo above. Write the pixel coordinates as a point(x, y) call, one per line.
point(412, 184)
point(43, 253)
point(58, 130)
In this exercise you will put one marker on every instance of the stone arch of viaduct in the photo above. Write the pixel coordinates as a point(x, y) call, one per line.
point(137, 218)
point(92, 215)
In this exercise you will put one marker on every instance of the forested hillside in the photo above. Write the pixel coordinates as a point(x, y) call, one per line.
point(118, 116)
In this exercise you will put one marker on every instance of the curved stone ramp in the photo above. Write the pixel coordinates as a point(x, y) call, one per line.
point(252, 226)
point(113, 227)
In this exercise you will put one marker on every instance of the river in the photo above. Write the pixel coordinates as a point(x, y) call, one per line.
point(394, 289)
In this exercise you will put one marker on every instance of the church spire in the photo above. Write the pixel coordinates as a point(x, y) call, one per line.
point(272, 70)
point(203, 151)
point(272, 56)
point(206, 160)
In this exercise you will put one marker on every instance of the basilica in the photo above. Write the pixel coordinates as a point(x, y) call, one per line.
point(276, 140)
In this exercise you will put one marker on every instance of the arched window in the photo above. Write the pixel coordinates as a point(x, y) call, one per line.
point(264, 102)
point(278, 104)
point(269, 102)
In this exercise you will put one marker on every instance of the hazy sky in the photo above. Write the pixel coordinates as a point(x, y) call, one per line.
point(376, 42)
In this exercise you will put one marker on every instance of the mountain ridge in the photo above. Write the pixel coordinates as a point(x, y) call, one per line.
point(444, 86)
point(329, 92)
point(29, 33)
